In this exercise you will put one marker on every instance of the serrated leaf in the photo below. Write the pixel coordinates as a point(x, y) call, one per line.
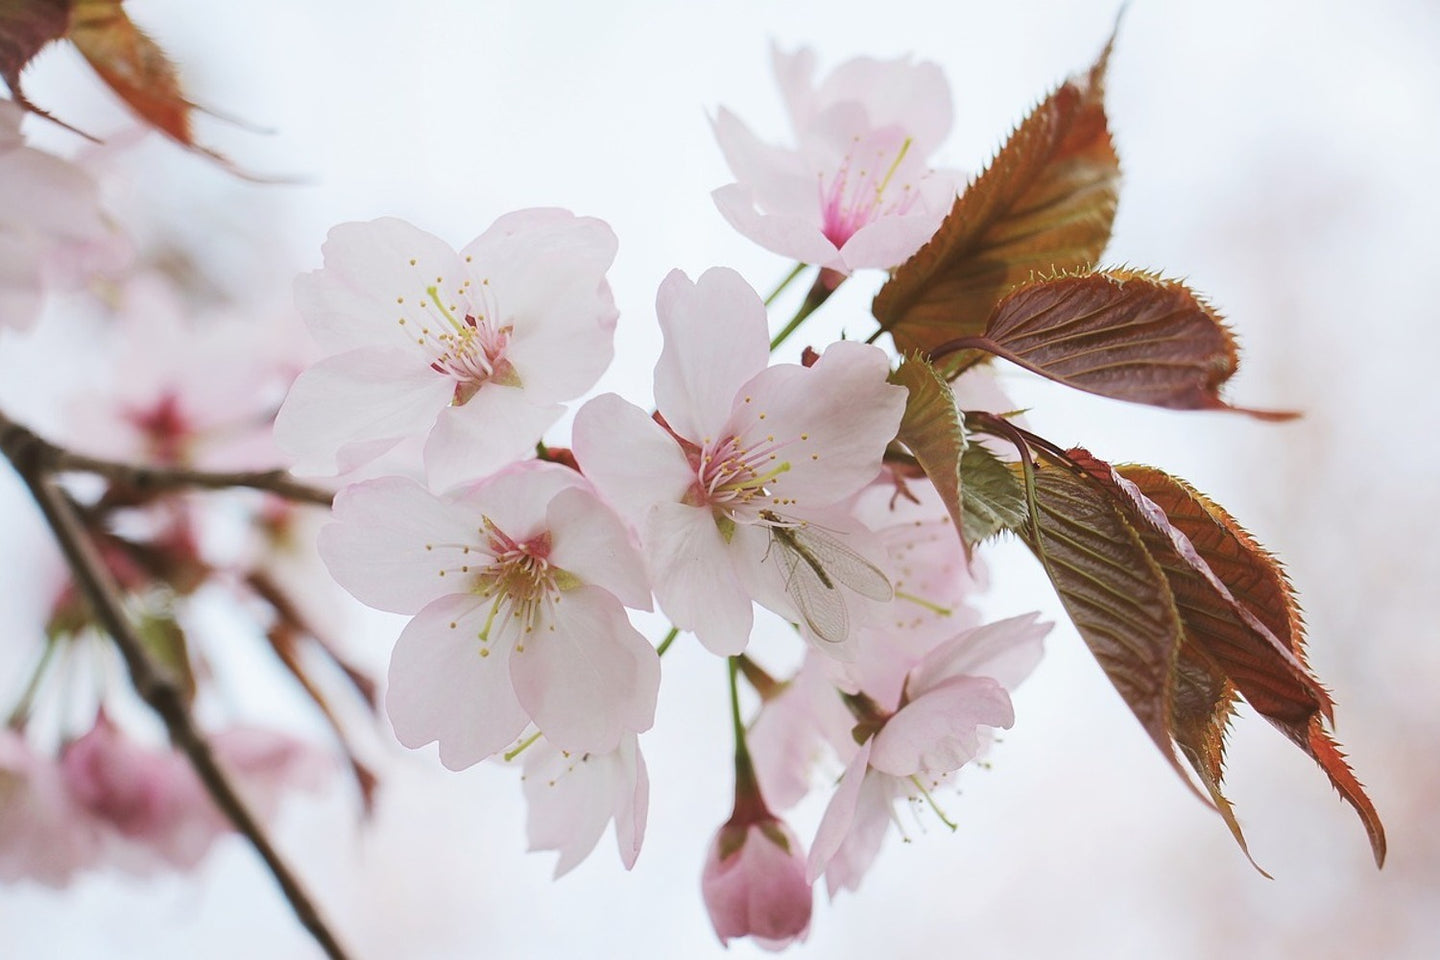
point(1117, 596)
point(1045, 204)
point(933, 430)
point(994, 499)
point(26, 26)
point(1123, 334)
point(1257, 581)
point(139, 72)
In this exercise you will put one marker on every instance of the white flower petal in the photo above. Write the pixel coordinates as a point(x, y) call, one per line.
point(493, 429)
point(630, 458)
point(369, 283)
point(442, 687)
point(338, 409)
point(584, 674)
point(938, 731)
point(590, 541)
point(392, 539)
point(715, 340)
point(695, 579)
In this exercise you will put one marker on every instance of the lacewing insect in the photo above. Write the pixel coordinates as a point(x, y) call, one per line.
point(815, 564)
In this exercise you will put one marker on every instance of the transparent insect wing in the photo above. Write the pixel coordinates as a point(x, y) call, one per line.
point(844, 565)
point(819, 603)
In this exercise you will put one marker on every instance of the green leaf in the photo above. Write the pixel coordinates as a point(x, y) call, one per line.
point(994, 498)
point(164, 639)
point(934, 431)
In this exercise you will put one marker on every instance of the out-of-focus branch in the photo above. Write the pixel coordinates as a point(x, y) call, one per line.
point(32, 459)
point(51, 458)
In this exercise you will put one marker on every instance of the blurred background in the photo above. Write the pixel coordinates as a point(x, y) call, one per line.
point(1280, 157)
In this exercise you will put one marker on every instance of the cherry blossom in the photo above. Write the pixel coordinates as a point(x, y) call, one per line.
point(153, 810)
point(475, 350)
point(950, 698)
point(730, 495)
point(572, 796)
point(52, 226)
point(206, 400)
point(754, 884)
point(518, 586)
point(855, 190)
point(44, 834)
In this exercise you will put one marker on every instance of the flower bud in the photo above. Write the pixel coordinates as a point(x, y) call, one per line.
point(754, 884)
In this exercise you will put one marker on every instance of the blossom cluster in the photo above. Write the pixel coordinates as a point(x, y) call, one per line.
point(430, 405)
point(749, 483)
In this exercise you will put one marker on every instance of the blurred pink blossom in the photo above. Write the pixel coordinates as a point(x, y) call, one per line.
point(51, 225)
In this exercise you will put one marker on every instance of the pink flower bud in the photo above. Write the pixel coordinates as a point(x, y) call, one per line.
point(754, 884)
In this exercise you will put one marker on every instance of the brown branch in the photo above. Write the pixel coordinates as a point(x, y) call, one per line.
point(49, 457)
point(29, 455)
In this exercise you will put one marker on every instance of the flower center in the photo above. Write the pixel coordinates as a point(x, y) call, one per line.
point(737, 478)
point(464, 341)
point(856, 195)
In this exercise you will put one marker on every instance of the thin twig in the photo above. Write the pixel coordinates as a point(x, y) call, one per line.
point(28, 455)
point(53, 458)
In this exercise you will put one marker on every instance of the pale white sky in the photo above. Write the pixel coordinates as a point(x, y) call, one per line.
point(1279, 156)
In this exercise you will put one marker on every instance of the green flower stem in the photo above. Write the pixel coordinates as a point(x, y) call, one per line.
point(799, 269)
point(22, 708)
point(825, 284)
point(669, 639)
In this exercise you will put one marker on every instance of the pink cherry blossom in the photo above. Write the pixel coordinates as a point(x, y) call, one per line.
point(196, 391)
point(45, 835)
point(803, 725)
point(153, 809)
point(754, 884)
point(518, 585)
point(572, 796)
point(51, 224)
point(475, 350)
point(949, 702)
point(855, 191)
point(935, 585)
point(724, 495)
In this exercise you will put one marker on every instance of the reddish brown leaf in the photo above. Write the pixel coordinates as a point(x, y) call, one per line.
point(135, 67)
point(1045, 204)
point(1120, 333)
point(1256, 580)
point(1116, 594)
point(26, 26)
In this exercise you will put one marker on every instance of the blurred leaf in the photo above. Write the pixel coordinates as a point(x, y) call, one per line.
point(164, 639)
point(933, 430)
point(139, 72)
point(1123, 334)
point(1280, 688)
point(1045, 204)
point(26, 26)
point(132, 65)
